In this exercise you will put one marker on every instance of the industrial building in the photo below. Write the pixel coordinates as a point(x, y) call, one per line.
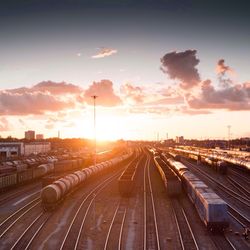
point(17, 149)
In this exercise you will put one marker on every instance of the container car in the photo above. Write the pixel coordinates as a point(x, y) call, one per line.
point(211, 208)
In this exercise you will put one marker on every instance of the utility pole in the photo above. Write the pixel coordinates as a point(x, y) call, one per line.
point(94, 99)
point(94, 208)
point(229, 127)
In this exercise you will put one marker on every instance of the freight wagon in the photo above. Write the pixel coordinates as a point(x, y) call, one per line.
point(171, 181)
point(210, 207)
point(54, 193)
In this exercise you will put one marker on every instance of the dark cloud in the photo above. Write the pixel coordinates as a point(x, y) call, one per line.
point(231, 98)
point(105, 92)
point(182, 66)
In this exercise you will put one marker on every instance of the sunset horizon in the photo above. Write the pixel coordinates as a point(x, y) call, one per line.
point(168, 70)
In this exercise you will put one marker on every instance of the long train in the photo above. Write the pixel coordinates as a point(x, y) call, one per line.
point(54, 193)
point(28, 175)
point(171, 181)
point(244, 164)
point(210, 207)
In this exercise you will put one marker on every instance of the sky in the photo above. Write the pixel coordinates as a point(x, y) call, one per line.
point(158, 67)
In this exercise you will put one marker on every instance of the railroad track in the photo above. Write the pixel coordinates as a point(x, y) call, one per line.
point(186, 235)
point(116, 226)
point(12, 195)
point(15, 217)
point(243, 200)
point(237, 215)
point(151, 239)
point(241, 189)
point(71, 239)
point(117, 223)
point(26, 238)
point(240, 176)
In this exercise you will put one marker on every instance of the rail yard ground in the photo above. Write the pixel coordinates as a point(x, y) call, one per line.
point(96, 216)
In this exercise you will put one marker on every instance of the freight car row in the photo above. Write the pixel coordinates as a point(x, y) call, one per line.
point(244, 164)
point(217, 165)
point(126, 181)
point(32, 174)
point(210, 207)
point(54, 193)
point(170, 179)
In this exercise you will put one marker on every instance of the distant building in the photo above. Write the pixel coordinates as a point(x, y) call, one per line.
point(179, 139)
point(17, 149)
point(11, 149)
point(39, 136)
point(29, 135)
point(36, 147)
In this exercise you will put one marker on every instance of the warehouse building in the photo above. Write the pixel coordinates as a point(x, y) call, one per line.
point(17, 149)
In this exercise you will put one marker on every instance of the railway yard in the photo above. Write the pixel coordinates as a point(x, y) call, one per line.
point(140, 198)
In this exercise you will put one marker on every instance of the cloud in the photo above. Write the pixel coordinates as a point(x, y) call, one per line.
point(103, 52)
point(230, 97)
point(4, 124)
point(105, 92)
point(54, 88)
point(168, 101)
point(134, 93)
point(182, 66)
point(31, 103)
point(221, 68)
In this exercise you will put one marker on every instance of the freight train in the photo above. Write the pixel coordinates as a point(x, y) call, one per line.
point(210, 207)
point(217, 165)
point(243, 163)
point(30, 174)
point(171, 181)
point(126, 182)
point(54, 193)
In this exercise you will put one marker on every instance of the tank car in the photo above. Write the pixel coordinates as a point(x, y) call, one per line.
point(50, 197)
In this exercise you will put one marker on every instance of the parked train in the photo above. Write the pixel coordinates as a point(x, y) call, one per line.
point(243, 163)
point(52, 194)
point(218, 166)
point(126, 181)
point(171, 181)
point(30, 174)
point(210, 207)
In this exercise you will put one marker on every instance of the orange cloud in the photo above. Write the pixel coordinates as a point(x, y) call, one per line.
point(134, 93)
point(30, 103)
point(221, 68)
point(105, 92)
point(4, 124)
point(53, 88)
point(104, 52)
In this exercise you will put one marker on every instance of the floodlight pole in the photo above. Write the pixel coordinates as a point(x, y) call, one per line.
point(94, 99)
point(229, 127)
